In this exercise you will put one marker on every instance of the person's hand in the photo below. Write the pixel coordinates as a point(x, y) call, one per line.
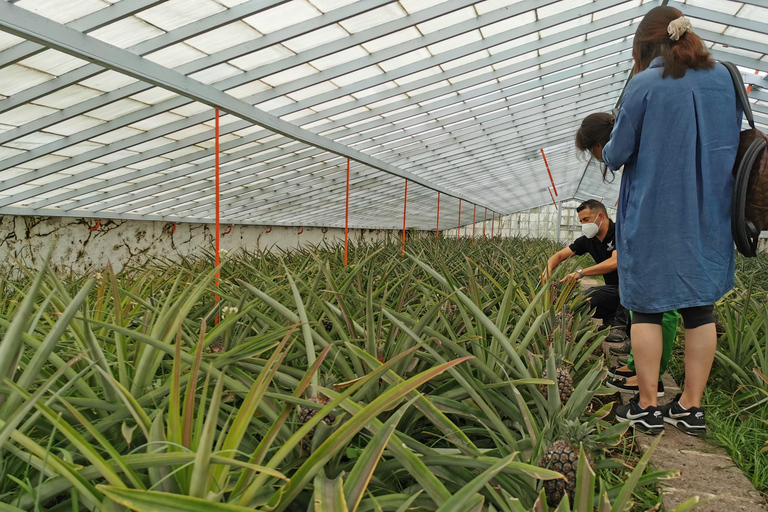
point(573, 276)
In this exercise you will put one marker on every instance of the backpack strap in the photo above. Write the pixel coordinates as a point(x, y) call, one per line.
point(741, 93)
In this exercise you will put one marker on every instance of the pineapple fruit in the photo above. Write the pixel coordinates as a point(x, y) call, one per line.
point(563, 456)
point(307, 413)
point(564, 384)
point(327, 324)
point(554, 289)
point(563, 319)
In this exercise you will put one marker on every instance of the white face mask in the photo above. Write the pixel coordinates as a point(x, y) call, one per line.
point(590, 229)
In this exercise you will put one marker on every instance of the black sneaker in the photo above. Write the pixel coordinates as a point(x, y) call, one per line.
point(622, 360)
point(622, 349)
point(648, 421)
point(621, 385)
point(617, 335)
point(690, 421)
point(621, 371)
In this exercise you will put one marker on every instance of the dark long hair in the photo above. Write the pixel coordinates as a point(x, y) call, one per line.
point(595, 130)
point(652, 40)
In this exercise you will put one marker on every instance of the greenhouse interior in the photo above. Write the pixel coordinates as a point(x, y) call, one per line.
point(334, 256)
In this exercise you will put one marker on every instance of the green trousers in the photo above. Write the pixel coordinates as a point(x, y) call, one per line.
point(668, 333)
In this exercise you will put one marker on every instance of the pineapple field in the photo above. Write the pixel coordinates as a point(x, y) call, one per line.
point(447, 379)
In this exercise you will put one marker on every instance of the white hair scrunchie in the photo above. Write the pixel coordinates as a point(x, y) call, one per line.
point(678, 27)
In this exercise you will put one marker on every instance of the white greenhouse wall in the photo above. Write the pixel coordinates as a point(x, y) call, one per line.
point(78, 250)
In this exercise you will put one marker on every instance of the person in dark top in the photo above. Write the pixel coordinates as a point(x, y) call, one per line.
point(597, 240)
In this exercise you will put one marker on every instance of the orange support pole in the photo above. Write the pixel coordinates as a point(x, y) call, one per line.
point(493, 221)
point(617, 203)
point(437, 229)
point(485, 221)
point(474, 213)
point(458, 228)
point(218, 212)
point(549, 172)
point(346, 220)
point(405, 206)
point(553, 198)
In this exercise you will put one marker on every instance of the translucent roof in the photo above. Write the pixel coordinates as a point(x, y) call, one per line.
point(107, 108)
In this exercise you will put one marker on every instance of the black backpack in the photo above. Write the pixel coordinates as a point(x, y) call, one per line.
point(749, 205)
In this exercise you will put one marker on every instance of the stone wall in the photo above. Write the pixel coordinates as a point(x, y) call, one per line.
point(78, 250)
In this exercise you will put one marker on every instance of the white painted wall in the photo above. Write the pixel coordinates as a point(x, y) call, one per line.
point(78, 250)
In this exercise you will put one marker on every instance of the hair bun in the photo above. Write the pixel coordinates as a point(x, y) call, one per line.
point(678, 27)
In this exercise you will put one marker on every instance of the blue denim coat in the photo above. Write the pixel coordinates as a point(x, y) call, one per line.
point(677, 140)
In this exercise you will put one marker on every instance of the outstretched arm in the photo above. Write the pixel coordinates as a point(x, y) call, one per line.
point(600, 269)
point(557, 258)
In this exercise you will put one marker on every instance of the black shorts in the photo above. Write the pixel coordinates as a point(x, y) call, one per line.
point(692, 317)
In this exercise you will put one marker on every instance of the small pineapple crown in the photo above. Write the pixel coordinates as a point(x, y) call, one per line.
point(326, 380)
point(575, 433)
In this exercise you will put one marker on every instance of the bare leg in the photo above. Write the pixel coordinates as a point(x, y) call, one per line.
point(700, 348)
point(647, 347)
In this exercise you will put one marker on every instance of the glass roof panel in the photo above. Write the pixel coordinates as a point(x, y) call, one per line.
point(108, 81)
point(176, 55)
point(404, 60)
point(283, 16)
point(456, 42)
point(155, 121)
point(224, 37)
point(289, 75)
point(53, 62)
point(117, 109)
point(9, 40)
point(25, 114)
point(33, 140)
point(558, 7)
point(316, 38)
point(154, 95)
point(717, 5)
point(216, 73)
point(447, 20)
point(314, 90)
point(509, 24)
point(16, 78)
point(262, 57)
point(67, 97)
point(338, 58)
point(373, 18)
point(329, 5)
point(52, 9)
point(74, 125)
point(401, 36)
point(173, 14)
point(126, 32)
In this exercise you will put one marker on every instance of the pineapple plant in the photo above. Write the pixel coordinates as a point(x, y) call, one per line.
point(554, 289)
point(327, 324)
point(307, 413)
point(562, 456)
point(564, 383)
point(563, 319)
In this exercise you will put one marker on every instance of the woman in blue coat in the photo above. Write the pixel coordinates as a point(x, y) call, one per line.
point(676, 135)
